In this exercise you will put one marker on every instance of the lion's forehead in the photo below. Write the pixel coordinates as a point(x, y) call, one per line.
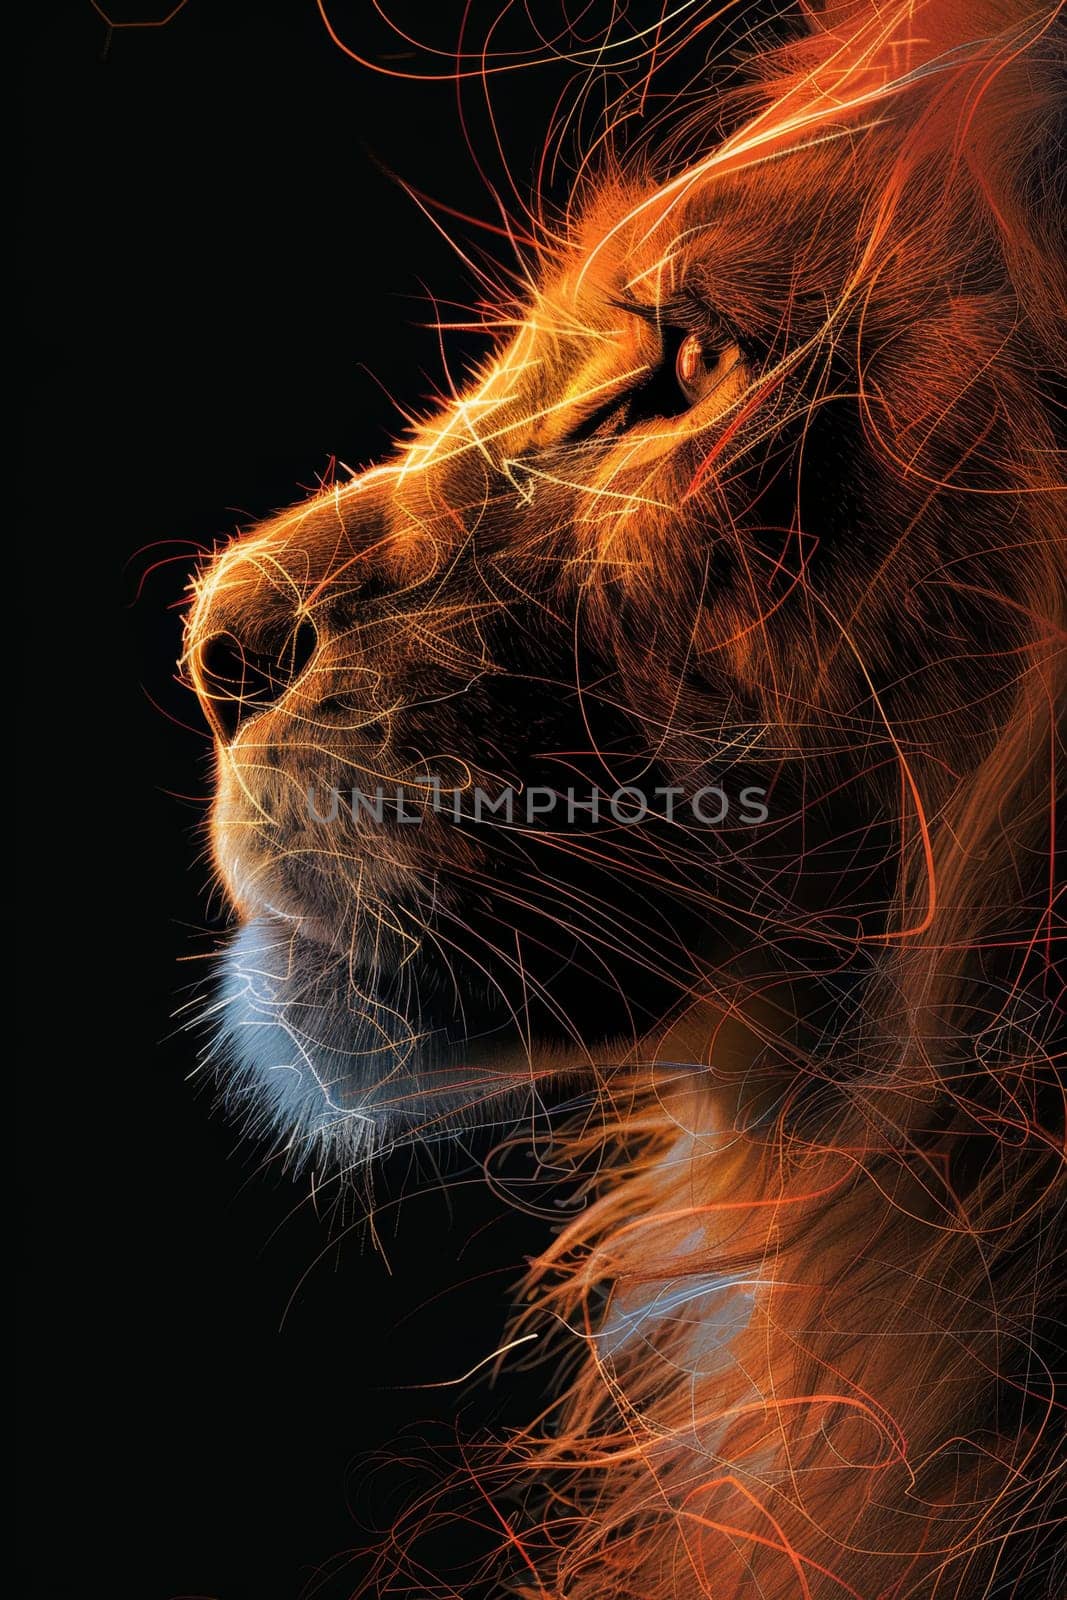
point(742, 242)
point(574, 343)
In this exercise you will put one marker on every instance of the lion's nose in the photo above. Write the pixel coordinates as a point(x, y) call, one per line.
point(250, 633)
point(237, 679)
point(295, 588)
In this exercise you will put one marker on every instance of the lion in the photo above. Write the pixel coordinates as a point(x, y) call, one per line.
point(757, 493)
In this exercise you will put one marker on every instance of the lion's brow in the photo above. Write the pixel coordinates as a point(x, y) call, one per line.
point(685, 310)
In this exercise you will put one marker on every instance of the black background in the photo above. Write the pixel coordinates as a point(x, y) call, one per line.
point(222, 282)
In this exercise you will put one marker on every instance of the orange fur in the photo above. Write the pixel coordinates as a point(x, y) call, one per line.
point(802, 1321)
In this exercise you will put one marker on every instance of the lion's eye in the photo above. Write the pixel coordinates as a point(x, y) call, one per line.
point(699, 369)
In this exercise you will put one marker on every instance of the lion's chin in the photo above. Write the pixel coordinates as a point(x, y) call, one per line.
point(333, 1072)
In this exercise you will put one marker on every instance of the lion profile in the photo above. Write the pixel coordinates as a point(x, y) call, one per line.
point(758, 492)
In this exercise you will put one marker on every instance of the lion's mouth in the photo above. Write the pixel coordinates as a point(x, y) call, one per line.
point(378, 992)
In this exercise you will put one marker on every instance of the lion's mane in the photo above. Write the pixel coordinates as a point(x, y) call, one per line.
point(805, 1319)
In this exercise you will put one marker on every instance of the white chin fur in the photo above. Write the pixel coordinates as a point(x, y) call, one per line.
point(330, 1074)
point(280, 1081)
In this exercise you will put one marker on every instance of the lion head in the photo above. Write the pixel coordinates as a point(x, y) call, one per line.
point(748, 499)
point(681, 697)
